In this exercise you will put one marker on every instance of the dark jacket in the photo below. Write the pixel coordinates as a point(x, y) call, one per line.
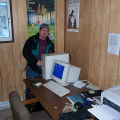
point(30, 51)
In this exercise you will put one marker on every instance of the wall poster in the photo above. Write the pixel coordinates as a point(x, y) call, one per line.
point(39, 12)
point(73, 16)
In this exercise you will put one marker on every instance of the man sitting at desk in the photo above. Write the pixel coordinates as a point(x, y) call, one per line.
point(34, 47)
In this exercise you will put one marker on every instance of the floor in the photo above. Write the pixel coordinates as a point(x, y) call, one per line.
point(6, 114)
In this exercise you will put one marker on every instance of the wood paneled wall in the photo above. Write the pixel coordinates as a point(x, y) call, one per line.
point(59, 25)
point(11, 76)
point(88, 47)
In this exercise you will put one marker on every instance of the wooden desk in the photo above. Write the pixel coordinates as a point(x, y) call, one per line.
point(51, 102)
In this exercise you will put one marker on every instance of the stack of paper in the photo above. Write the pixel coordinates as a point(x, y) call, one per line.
point(105, 112)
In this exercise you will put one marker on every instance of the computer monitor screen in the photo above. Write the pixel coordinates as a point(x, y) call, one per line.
point(60, 72)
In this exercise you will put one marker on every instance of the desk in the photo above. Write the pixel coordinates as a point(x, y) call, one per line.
point(51, 102)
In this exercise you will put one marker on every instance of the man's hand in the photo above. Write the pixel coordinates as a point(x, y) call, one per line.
point(39, 63)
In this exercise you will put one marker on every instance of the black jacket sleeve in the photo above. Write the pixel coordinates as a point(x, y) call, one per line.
point(27, 50)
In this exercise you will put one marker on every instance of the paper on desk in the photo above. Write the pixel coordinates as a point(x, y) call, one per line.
point(105, 112)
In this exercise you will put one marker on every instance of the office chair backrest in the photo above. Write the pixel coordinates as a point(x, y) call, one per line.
point(19, 110)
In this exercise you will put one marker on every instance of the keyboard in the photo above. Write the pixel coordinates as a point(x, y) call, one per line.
point(56, 88)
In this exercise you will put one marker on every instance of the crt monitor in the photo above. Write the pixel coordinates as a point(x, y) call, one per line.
point(64, 73)
point(47, 61)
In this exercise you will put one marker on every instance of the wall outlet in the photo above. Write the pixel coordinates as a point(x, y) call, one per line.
point(21, 66)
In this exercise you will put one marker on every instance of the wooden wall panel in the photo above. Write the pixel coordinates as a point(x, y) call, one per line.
point(73, 44)
point(1, 87)
point(83, 52)
point(59, 25)
point(16, 46)
point(113, 60)
point(67, 42)
point(77, 44)
point(11, 76)
point(98, 18)
point(22, 14)
point(104, 42)
point(87, 35)
point(7, 71)
point(80, 38)
point(96, 25)
point(68, 36)
point(71, 40)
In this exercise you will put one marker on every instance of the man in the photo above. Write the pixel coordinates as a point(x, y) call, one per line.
point(34, 47)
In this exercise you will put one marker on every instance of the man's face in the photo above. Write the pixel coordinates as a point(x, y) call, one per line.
point(43, 33)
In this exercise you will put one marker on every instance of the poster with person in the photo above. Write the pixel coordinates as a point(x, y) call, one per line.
point(73, 16)
point(39, 12)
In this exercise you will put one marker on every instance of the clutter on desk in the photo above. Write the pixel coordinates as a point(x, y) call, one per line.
point(76, 98)
point(93, 96)
point(77, 110)
point(92, 93)
point(69, 108)
point(79, 99)
point(78, 115)
point(109, 108)
point(97, 99)
point(93, 87)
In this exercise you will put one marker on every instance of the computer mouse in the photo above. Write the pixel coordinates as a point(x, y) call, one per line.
point(38, 84)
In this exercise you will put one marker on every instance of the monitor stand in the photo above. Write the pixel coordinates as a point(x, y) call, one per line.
point(66, 84)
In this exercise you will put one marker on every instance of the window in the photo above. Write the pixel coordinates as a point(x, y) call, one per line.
point(5, 21)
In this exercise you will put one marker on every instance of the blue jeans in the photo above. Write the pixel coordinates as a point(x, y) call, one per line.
point(31, 74)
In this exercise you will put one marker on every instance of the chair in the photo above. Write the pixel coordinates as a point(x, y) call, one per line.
point(20, 112)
